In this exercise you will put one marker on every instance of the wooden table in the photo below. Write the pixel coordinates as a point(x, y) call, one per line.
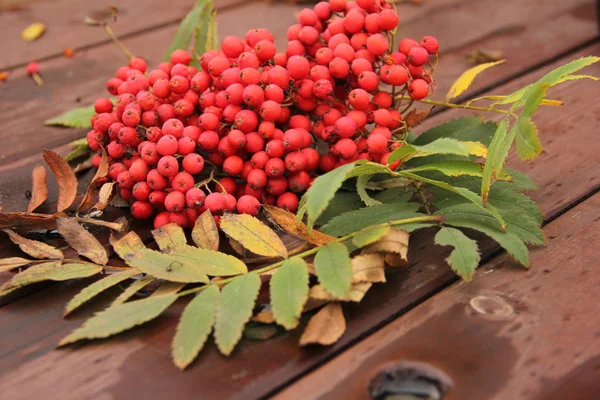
point(545, 342)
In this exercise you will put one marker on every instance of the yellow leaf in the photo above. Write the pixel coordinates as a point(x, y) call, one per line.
point(205, 233)
point(167, 288)
point(465, 80)
point(253, 235)
point(395, 241)
point(545, 102)
point(288, 222)
point(169, 238)
point(34, 248)
point(325, 327)
point(7, 264)
point(395, 260)
point(356, 294)
point(368, 268)
point(33, 31)
point(106, 194)
point(88, 199)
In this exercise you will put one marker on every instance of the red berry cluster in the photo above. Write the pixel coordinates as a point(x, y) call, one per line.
point(266, 122)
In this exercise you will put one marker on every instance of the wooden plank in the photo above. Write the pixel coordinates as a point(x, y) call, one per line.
point(65, 27)
point(72, 83)
point(509, 334)
point(259, 368)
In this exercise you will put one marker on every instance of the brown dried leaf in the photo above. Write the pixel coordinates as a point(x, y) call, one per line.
point(34, 248)
point(264, 317)
point(205, 233)
point(357, 292)
point(395, 260)
point(27, 221)
point(325, 327)
point(39, 190)
point(105, 196)
point(7, 264)
point(126, 245)
point(84, 243)
point(414, 117)
point(119, 201)
point(92, 189)
point(368, 268)
point(237, 247)
point(67, 182)
point(395, 241)
point(287, 221)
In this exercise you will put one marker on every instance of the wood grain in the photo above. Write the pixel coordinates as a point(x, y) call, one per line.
point(65, 27)
point(509, 334)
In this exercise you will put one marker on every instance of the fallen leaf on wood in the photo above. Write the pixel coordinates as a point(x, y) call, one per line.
point(132, 289)
point(288, 222)
point(27, 221)
point(253, 235)
point(237, 247)
point(260, 331)
point(368, 268)
point(33, 31)
point(264, 317)
point(395, 260)
point(105, 196)
point(168, 288)
point(39, 190)
point(119, 225)
point(325, 327)
point(83, 242)
point(67, 182)
point(395, 241)
point(357, 292)
point(7, 264)
point(205, 233)
point(53, 271)
point(88, 199)
point(34, 248)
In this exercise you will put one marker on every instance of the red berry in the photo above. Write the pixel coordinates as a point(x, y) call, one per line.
point(215, 202)
point(233, 165)
point(418, 89)
point(430, 44)
point(167, 145)
point(377, 143)
point(295, 162)
point(168, 166)
point(139, 170)
point(248, 205)
point(406, 44)
point(346, 148)
point(288, 201)
point(193, 163)
point(275, 167)
point(141, 210)
point(180, 57)
point(175, 201)
point(418, 56)
point(194, 198)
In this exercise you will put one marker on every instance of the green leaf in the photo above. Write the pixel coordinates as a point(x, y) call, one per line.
point(473, 129)
point(212, 263)
point(98, 287)
point(119, 318)
point(528, 140)
point(353, 221)
point(369, 168)
point(166, 266)
point(370, 235)
point(202, 44)
point(342, 202)
point(468, 216)
point(533, 99)
point(322, 190)
point(332, 263)
point(465, 257)
point(520, 180)
point(395, 195)
point(497, 153)
point(450, 168)
point(439, 146)
point(132, 289)
point(289, 292)
point(552, 78)
point(54, 271)
point(254, 235)
point(235, 309)
point(463, 192)
point(187, 29)
point(212, 40)
point(464, 81)
point(361, 182)
point(194, 326)
point(75, 118)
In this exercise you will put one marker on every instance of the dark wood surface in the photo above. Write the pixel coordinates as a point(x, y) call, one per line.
point(534, 36)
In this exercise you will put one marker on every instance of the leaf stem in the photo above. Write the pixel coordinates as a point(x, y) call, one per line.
point(453, 105)
point(429, 218)
point(119, 44)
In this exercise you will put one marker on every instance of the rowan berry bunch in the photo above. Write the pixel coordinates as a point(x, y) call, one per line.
point(253, 126)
